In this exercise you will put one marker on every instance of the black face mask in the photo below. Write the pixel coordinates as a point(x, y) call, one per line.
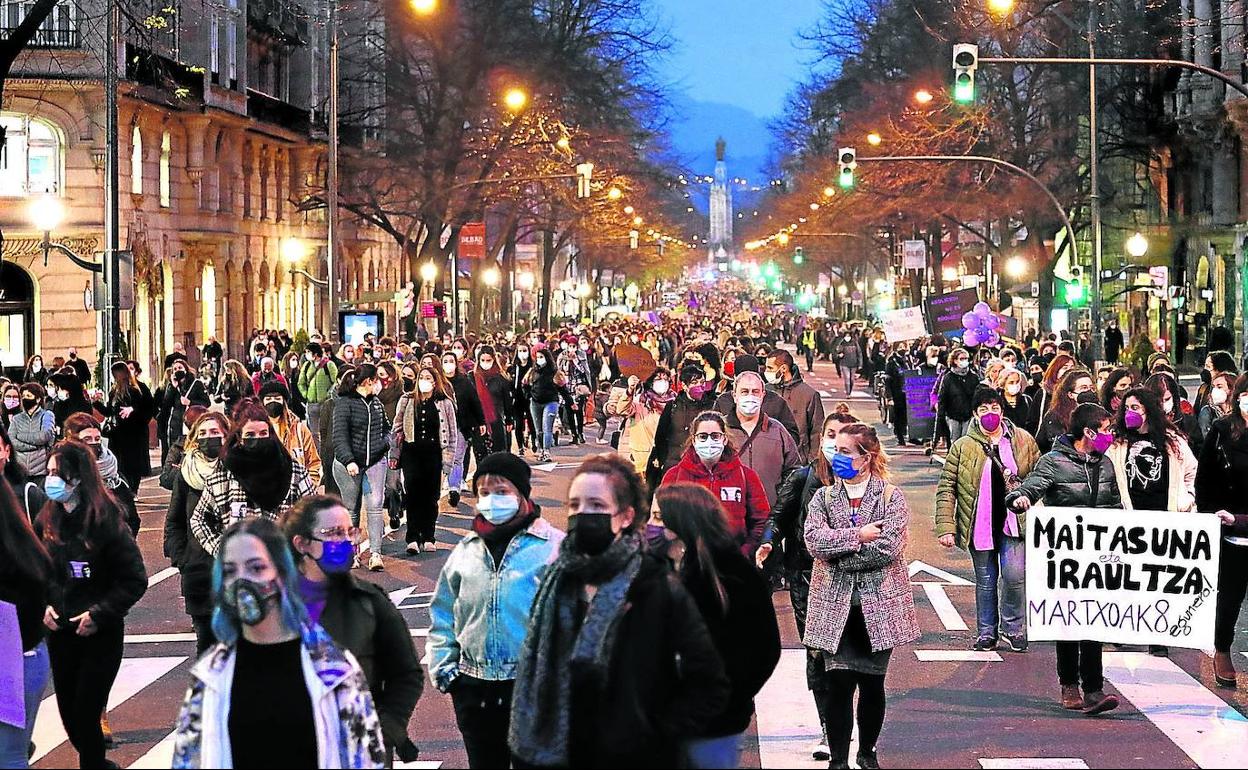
point(275, 409)
point(1087, 397)
point(1206, 376)
point(253, 444)
point(590, 532)
point(97, 449)
point(409, 384)
point(211, 447)
point(29, 403)
point(249, 601)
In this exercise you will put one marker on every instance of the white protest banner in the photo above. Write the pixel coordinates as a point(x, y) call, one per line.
point(1124, 577)
point(908, 323)
point(914, 255)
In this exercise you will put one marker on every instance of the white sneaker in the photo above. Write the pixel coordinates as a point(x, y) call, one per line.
point(374, 563)
point(413, 548)
point(429, 547)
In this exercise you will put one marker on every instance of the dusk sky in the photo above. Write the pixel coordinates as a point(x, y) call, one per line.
point(738, 52)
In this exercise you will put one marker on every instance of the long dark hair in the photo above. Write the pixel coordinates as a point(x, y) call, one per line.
point(1238, 426)
point(1162, 384)
point(23, 559)
point(698, 519)
point(98, 510)
point(1107, 390)
point(1159, 431)
point(351, 379)
point(1060, 403)
point(121, 390)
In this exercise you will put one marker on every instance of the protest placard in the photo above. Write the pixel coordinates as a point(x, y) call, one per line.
point(1124, 577)
point(12, 702)
point(921, 425)
point(635, 361)
point(946, 310)
point(908, 323)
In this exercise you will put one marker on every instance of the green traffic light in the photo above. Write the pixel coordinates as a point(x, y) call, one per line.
point(798, 258)
point(1075, 295)
point(964, 90)
point(847, 179)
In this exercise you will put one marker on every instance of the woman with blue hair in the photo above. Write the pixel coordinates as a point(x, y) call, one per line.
point(273, 673)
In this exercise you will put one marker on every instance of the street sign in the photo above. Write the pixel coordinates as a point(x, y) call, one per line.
point(433, 310)
point(472, 241)
point(1160, 276)
point(914, 255)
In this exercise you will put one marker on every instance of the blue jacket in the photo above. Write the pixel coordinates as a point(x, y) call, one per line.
point(480, 612)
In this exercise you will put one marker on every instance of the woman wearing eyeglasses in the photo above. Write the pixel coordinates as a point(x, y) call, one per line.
point(860, 603)
point(356, 614)
point(710, 460)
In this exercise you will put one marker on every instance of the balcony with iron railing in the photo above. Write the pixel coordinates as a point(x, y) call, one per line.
point(49, 37)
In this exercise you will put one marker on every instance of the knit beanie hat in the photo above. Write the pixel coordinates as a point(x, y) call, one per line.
point(508, 466)
point(275, 386)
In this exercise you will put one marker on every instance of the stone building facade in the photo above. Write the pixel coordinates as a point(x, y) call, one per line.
point(222, 159)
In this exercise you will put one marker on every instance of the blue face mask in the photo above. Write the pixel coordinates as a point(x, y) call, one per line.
point(57, 489)
point(843, 467)
point(336, 556)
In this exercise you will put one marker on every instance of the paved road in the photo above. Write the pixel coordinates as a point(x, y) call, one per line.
point(948, 707)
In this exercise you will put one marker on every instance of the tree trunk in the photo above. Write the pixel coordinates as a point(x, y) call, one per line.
point(548, 266)
point(505, 309)
point(936, 260)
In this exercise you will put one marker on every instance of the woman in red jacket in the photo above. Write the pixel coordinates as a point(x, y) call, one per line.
point(710, 460)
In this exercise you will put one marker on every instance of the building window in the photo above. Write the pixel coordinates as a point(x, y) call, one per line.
point(136, 162)
point(166, 150)
point(231, 50)
point(31, 159)
point(59, 30)
point(214, 48)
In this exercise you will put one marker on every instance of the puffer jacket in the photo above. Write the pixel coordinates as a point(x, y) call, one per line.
point(772, 453)
point(672, 432)
point(788, 517)
point(1066, 478)
point(738, 489)
point(956, 394)
point(33, 435)
point(1181, 479)
point(361, 430)
point(957, 492)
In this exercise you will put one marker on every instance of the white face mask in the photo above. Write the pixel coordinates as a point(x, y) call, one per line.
point(449, 369)
point(749, 405)
point(660, 386)
point(1168, 405)
point(486, 365)
point(498, 509)
point(1013, 389)
point(709, 450)
point(772, 377)
point(1243, 404)
point(523, 355)
point(425, 386)
point(829, 449)
point(540, 361)
point(584, 346)
point(1217, 397)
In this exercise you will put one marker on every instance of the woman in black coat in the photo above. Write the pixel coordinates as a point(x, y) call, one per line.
point(68, 394)
point(471, 421)
point(128, 416)
point(183, 390)
point(688, 525)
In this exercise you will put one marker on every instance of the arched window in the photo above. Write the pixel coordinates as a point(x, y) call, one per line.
point(136, 161)
point(166, 150)
point(32, 158)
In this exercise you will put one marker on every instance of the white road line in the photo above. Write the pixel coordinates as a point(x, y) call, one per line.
point(957, 656)
point(1033, 763)
point(1207, 729)
point(948, 578)
point(788, 724)
point(158, 638)
point(161, 576)
point(158, 756)
point(422, 764)
point(944, 608)
point(134, 676)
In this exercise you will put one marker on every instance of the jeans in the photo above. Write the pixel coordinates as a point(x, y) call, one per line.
point(1232, 586)
point(14, 741)
point(544, 415)
point(83, 671)
point(314, 423)
point(957, 428)
point(365, 492)
point(713, 752)
point(459, 454)
point(1080, 662)
point(483, 715)
point(1003, 568)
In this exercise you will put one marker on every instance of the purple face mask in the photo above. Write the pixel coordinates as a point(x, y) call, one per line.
point(1134, 420)
point(1102, 442)
point(990, 421)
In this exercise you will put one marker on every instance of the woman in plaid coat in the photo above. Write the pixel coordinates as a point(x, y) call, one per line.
point(860, 605)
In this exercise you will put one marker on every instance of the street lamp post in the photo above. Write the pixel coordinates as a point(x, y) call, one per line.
point(331, 193)
point(112, 210)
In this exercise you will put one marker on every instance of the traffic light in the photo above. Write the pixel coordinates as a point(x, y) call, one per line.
point(965, 62)
point(584, 176)
point(848, 159)
point(633, 238)
point(798, 256)
point(1074, 291)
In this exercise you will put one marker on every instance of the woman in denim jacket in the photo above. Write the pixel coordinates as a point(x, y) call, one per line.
point(480, 609)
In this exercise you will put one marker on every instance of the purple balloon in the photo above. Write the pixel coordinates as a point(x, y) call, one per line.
point(971, 338)
point(982, 308)
point(993, 339)
point(969, 320)
point(994, 321)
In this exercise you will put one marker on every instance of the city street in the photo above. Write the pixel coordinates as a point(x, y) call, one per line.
point(948, 706)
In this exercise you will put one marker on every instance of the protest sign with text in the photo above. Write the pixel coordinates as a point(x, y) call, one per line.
point(1125, 577)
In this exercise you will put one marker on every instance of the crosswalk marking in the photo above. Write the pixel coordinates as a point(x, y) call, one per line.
point(134, 676)
point(157, 638)
point(944, 608)
point(788, 724)
point(159, 756)
point(1033, 763)
point(957, 656)
point(161, 576)
point(1207, 729)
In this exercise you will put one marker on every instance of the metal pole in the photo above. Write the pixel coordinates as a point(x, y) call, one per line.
point(455, 330)
point(112, 216)
point(331, 196)
point(1095, 201)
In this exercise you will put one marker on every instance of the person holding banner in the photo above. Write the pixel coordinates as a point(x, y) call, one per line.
point(1154, 466)
point(1076, 475)
point(857, 613)
point(971, 513)
point(1222, 486)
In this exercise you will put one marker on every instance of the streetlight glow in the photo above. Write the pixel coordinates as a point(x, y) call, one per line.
point(424, 7)
point(515, 99)
point(637, 221)
point(923, 96)
point(1016, 267)
point(1001, 7)
point(1137, 246)
point(828, 192)
point(784, 239)
point(46, 213)
point(615, 193)
point(629, 210)
point(949, 274)
point(492, 277)
point(583, 291)
point(874, 139)
point(525, 281)
point(294, 250)
point(428, 272)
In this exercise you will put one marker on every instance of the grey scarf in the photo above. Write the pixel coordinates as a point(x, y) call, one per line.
point(542, 704)
point(107, 464)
